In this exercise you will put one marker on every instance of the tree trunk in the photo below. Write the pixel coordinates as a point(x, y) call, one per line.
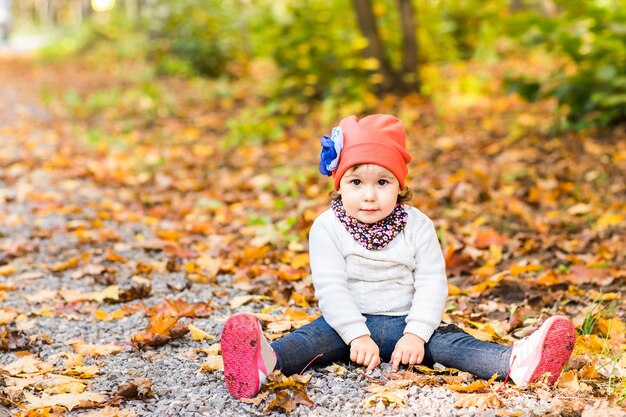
point(375, 49)
point(410, 74)
point(516, 6)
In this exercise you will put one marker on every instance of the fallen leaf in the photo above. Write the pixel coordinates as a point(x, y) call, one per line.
point(213, 363)
point(96, 350)
point(482, 401)
point(67, 401)
point(139, 388)
point(197, 334)
point(479, 385)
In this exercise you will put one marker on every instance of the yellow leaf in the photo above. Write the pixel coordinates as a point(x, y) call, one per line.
point(300, 300)
point(27, 365)
point(481, 401)
point(197, 334)
point(62, 384)
point(397, 397)
point(7, 269)
point(171, 235)
point(607, 220)
point(453, 290)
point(300, 261)
point(517, 270)
point(62, 266)
point(590, 343)
point(607, 296)
point(479, 385)
point(110, 412)
point(111, 292)
point(212, 350)
point(68, 401)
point(613, 328)
point(104, 316)
point(213, 363)
point(96, 350)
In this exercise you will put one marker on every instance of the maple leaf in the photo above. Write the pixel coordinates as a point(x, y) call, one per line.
point(180, 308)
point(287, 401)
point(290, 391)
point(161, 329)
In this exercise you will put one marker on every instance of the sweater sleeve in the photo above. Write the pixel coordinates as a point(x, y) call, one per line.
point(430, 283)
point(330, 279)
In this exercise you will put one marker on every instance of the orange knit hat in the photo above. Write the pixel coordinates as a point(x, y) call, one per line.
point(377, 139)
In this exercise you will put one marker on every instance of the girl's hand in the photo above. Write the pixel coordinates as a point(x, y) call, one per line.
point(409, 350)
point(364, 351)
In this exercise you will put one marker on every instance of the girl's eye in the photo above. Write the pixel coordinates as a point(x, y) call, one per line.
point(382, 182)
point(356, 182)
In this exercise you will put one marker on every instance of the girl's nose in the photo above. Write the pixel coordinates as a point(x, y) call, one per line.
point(369, 193)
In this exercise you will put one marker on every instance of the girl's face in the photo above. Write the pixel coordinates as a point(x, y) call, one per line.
point(369, 192)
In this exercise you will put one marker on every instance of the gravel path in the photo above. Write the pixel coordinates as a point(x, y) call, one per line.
point(39, 214)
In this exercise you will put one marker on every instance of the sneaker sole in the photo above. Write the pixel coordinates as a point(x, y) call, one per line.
point(240, 347)
point(556, 349)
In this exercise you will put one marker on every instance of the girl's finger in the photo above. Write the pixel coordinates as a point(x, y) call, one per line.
point(373, 363)
point(405, 357)
point(367, 359)
point(353, 355)
point(395, 361)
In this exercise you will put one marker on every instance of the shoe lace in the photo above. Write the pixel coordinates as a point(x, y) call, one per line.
point(508, 374)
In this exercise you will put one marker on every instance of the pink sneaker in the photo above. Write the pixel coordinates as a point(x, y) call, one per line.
point(248, 357)
point(545, 350)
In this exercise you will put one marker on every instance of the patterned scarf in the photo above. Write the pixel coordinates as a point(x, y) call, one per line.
point(374, 236)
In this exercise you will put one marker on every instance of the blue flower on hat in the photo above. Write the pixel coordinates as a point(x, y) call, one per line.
point(331, 149)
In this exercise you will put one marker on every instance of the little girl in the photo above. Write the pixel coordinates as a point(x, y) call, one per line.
point(379, 277)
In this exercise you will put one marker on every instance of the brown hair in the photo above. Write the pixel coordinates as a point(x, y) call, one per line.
point(403, 197)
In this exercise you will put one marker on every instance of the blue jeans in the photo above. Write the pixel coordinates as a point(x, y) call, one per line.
point(318, 344)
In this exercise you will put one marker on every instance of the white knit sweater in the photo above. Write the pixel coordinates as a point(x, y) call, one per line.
point(407, 277)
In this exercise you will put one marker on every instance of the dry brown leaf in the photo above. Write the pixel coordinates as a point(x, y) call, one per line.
point(256, 400)
point(138, 388)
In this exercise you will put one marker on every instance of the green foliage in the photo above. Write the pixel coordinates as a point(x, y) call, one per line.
point(590, 87)
point(451, 30)
point(112, 40)
point(318, 51)
point(253, 126)
point(201, 37)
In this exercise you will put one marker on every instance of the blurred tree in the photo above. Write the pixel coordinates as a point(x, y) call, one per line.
point(406, 79)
